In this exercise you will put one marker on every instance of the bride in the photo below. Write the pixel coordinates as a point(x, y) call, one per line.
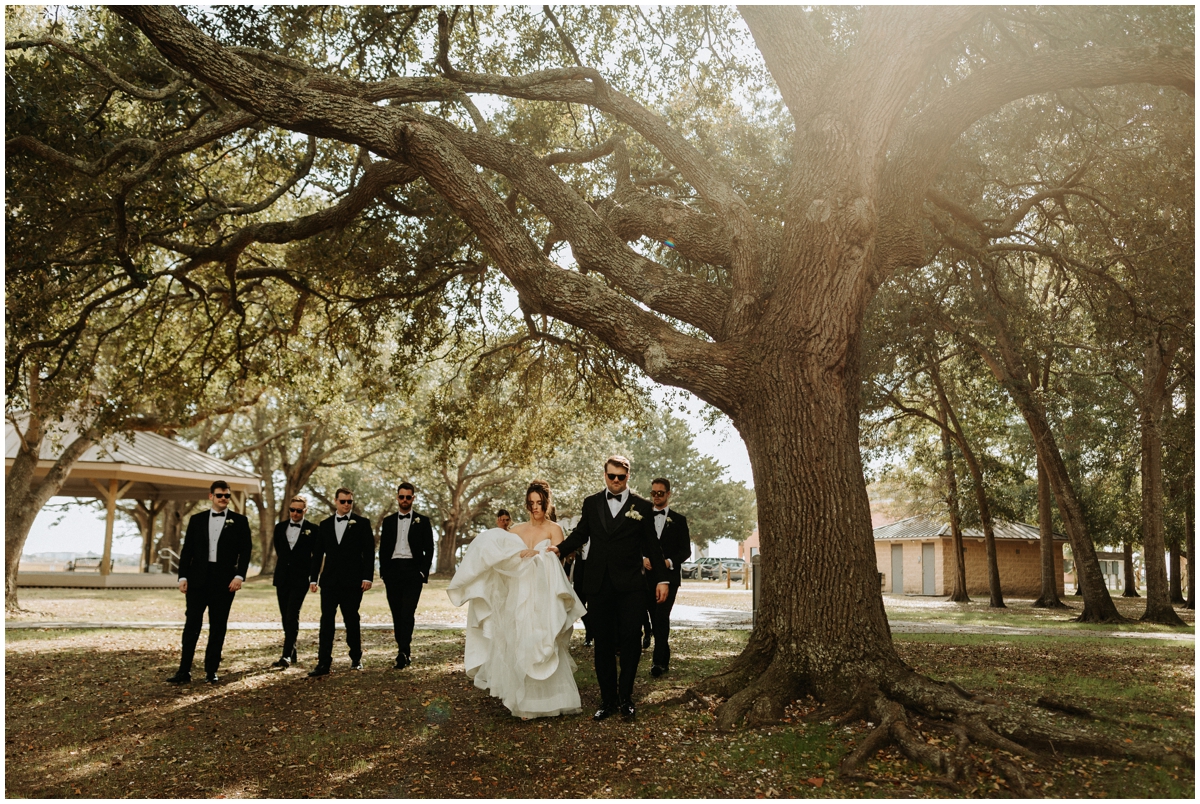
point(520, 614)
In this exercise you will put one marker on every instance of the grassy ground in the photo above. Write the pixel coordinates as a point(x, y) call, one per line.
point(256, 603)
point(87, 714)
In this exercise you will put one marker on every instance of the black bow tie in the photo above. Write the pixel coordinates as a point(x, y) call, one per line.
point(343, 518)
point(214, 513)
point(663, 512)
point(403, 516)
point(608, 495)
point(294, 525)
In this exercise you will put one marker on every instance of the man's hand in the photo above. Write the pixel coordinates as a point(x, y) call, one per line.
point(235, 584)
point(661, 591)
point(646, 563)
point(366, 585)
point(553, 549)
point(312, 587)
point(183, 586)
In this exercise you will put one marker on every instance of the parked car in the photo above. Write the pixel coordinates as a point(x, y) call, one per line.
point(695, 569)
point(735, 566)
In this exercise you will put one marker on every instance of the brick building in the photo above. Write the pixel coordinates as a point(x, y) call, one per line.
point(915, 557)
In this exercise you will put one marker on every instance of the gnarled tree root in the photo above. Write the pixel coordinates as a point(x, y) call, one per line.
point(898, 695)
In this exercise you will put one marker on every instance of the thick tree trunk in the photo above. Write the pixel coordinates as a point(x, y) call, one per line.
point(25, 496)
point(1154, 559)
point(1190, 526)
point(826, 632)
point(958, 593)
point(1131, 585)
point(1049, 597)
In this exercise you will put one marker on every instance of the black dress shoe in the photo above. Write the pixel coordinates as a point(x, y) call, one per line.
point(180, 677)
point(604, 712)
point(282, 664)
point(657, 670)
point(319, 670)
point(211, 678)
point(402, 661)
point(646, 640)
point(627, 711)
point(356, 665)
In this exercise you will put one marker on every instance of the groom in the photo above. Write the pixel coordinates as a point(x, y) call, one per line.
point(620, 526)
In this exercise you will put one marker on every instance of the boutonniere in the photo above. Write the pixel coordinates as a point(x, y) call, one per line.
point(228, 519)
point(307, 531)
point(633, 514)
point(668, 522)
point(416, 519)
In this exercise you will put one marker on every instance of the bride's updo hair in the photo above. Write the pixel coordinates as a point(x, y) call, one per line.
point(542, 489)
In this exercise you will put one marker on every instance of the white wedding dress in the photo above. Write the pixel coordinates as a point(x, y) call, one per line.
point(519, 619)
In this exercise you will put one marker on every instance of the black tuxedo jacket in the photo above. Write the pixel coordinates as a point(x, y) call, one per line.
point(420, 541)
point(676, 544)
point(233, 550)
point(347, 564)
point(293, 564)
point(618, 544)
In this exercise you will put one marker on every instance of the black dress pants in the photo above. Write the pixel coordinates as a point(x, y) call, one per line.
point(217, 598)
point(403, 588)
point(348, 599)
point(616, 625)
point(291, 599)
point(660, 623)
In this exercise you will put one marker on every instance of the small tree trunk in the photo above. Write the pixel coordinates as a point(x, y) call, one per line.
point(1176, 569)
point(1050, 575)
point(958, 592)
point(1190, 526)
point(1130, 576)
point(24, 496)
point(1154, 377)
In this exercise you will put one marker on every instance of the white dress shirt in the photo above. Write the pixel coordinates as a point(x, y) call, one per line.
point(403, 523)
point(293, 533)
point(215, 525)
point(339, 527)
point(615, 503)
point(660, 522)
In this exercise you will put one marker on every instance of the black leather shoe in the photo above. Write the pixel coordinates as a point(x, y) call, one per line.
point(356, 665)
point(282, 664)
point(627, 711)
point(180, 678)
point(646, 637)
point(402, 661)
point(211, 678)
point(319, 670)
point(657, 670)
point(604, 712)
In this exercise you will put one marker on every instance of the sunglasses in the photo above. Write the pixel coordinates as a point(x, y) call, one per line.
point(404, 496)
point(222, 496)
point(345, 502)
point(296, 510)
point(659, 493)
point(611, 476)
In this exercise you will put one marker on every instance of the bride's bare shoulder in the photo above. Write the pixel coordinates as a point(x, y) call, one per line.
point(556, 533)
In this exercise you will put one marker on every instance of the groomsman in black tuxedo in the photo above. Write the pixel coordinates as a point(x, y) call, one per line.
point(621, 529)
point(676, 543)
point(212, 566)
point(346, 544)
point(405, 555)
point(294, 539)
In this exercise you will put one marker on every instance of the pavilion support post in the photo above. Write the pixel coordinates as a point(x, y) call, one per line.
point(110, 500)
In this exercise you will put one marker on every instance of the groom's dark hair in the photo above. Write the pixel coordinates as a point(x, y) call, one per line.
point(662, 481)
point(617, 460)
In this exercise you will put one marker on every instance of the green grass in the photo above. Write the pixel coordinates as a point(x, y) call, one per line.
point(87, 714)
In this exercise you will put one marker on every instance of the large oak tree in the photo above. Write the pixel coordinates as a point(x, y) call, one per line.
point(756, 303)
